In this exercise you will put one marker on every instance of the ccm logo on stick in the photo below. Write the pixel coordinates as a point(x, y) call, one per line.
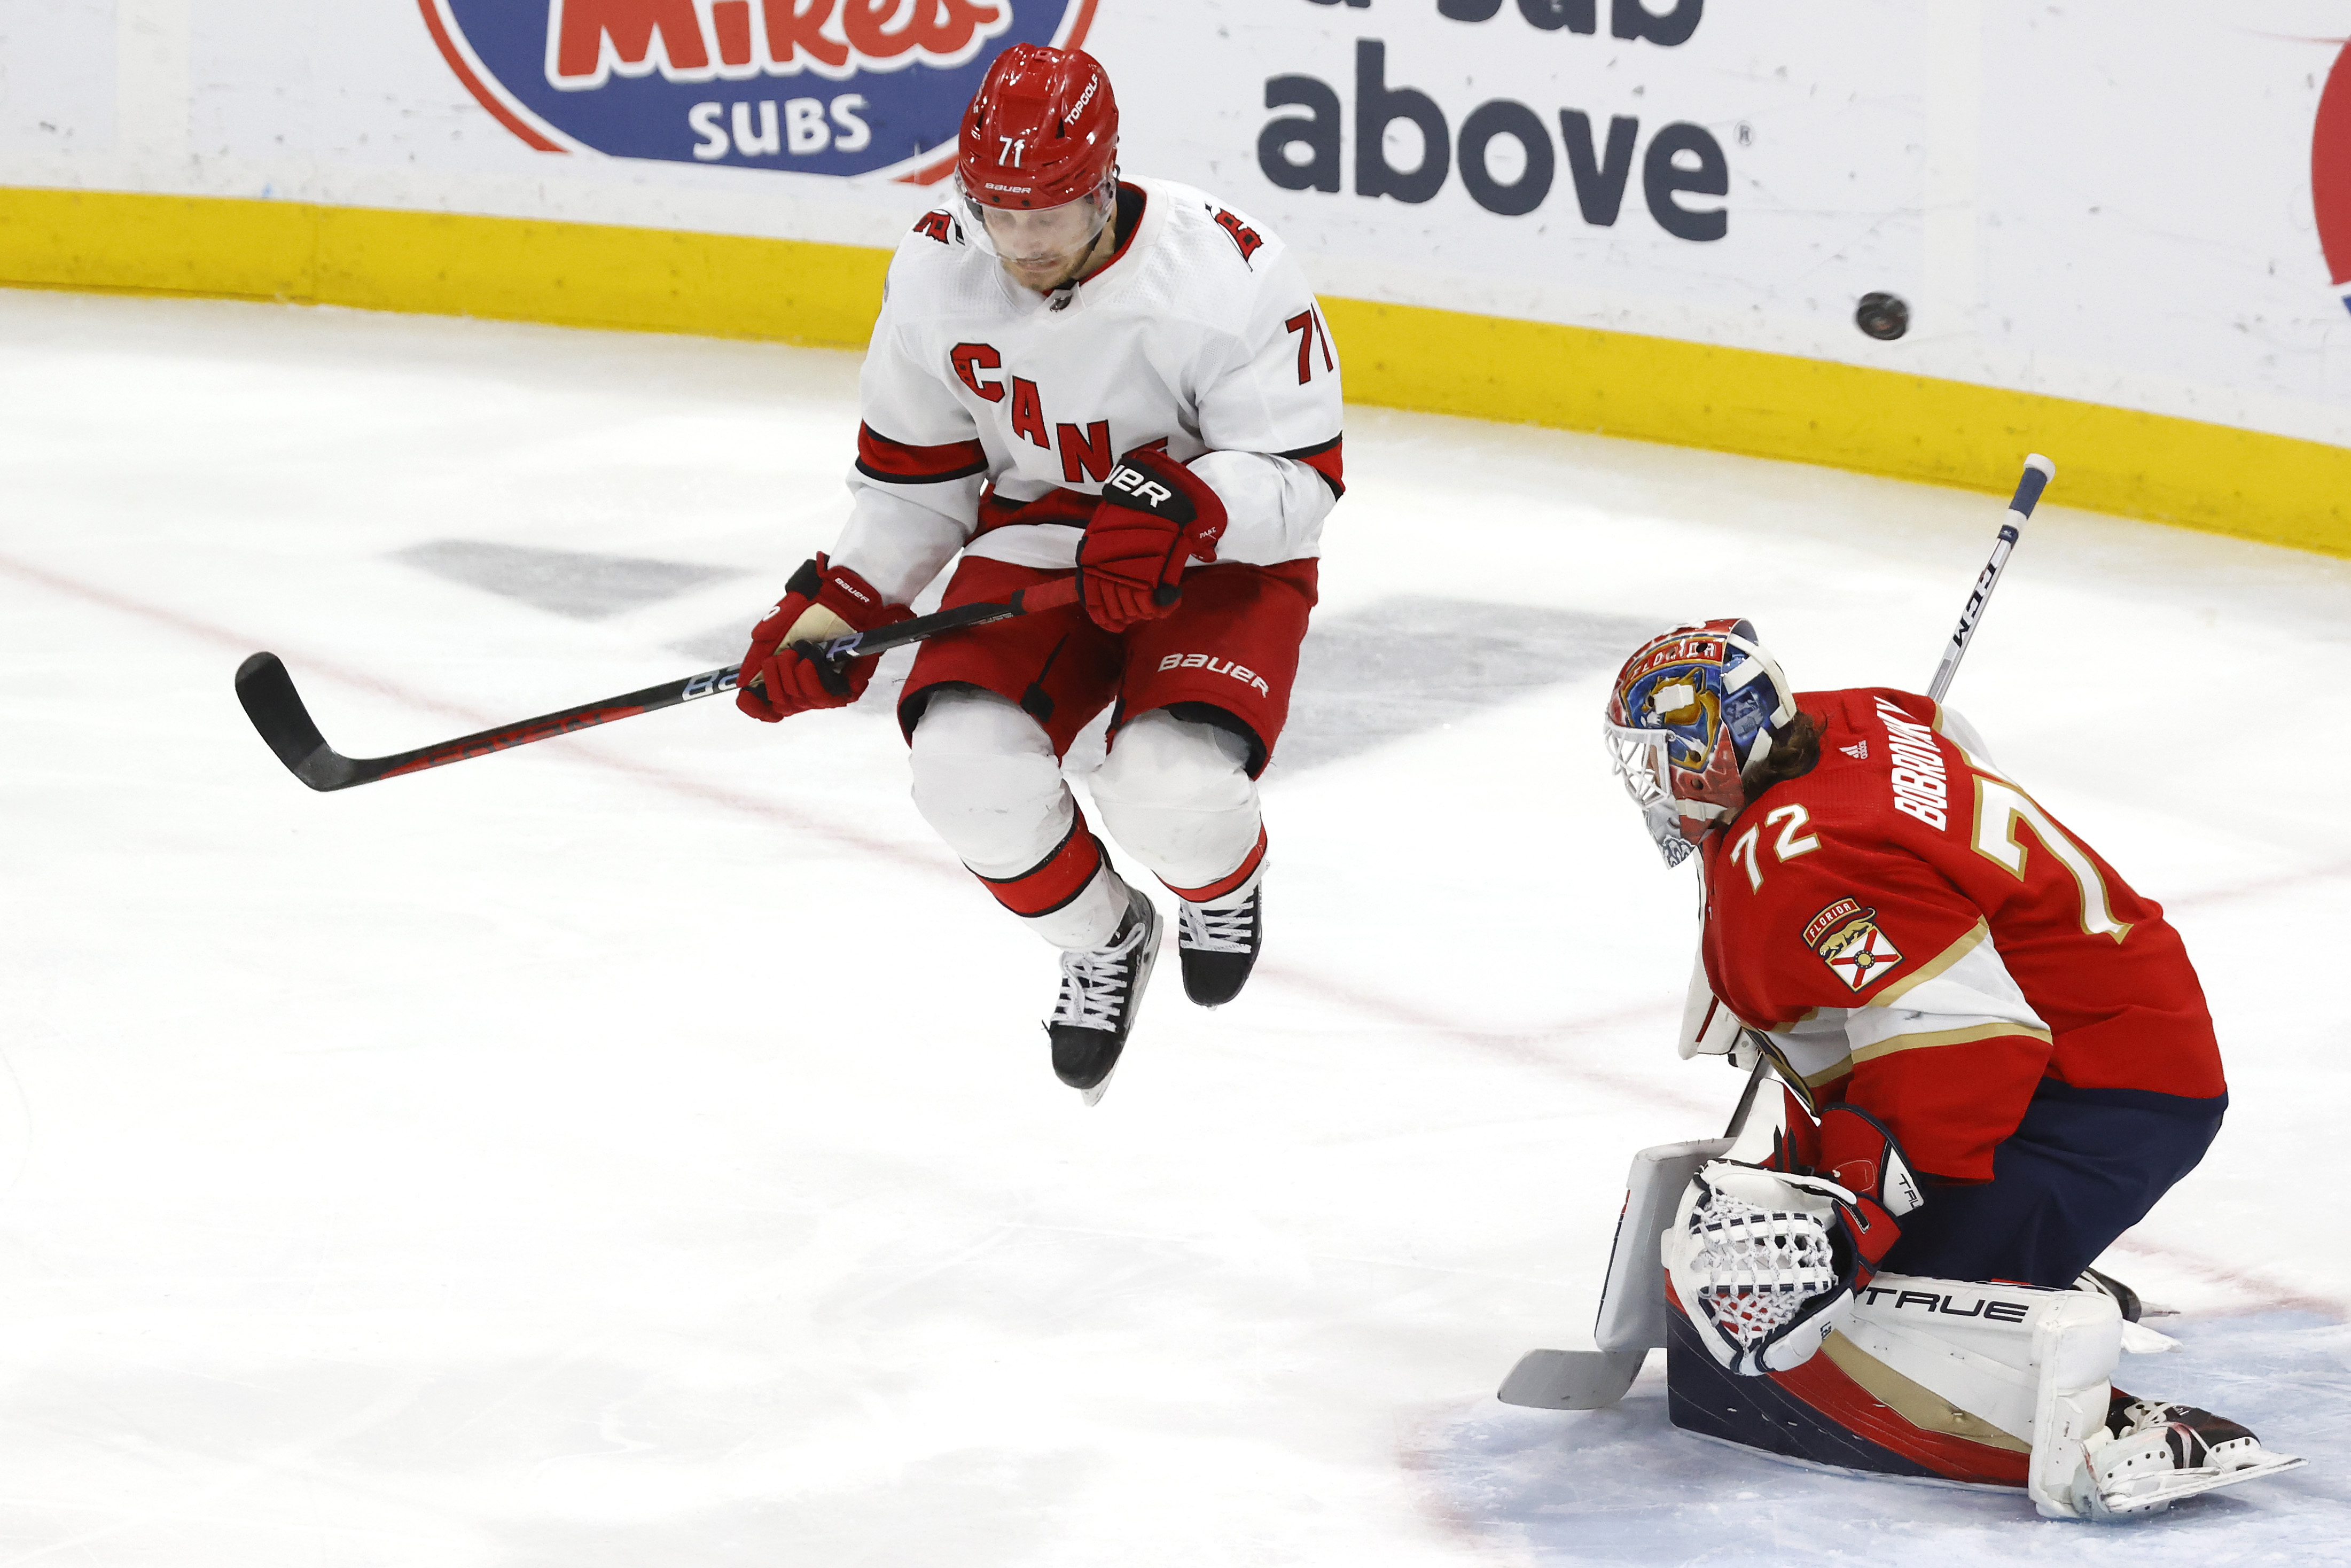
point(1216, 666)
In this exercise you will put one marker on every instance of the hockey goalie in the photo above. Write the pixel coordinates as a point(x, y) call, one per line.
point(1996, 1057)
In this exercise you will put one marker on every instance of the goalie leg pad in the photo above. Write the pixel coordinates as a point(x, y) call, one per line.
point(1814, 1414)
point(2005, 1384)
point(1925, 1377)
point(2076, 1340)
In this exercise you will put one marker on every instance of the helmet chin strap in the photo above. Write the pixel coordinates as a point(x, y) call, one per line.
point(1707, 815)
point(1090, 258)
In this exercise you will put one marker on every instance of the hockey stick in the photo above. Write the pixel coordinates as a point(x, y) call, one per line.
point(2038, 471)
point(1632, 1318)
point(276, 711)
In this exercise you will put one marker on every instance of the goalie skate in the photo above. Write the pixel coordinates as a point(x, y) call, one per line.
point(2156, 1453)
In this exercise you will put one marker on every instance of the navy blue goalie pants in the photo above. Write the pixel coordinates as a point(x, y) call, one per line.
point(2084, 1166)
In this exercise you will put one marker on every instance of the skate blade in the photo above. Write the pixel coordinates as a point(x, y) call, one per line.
point(2181, 1484)
point(2140, 1340)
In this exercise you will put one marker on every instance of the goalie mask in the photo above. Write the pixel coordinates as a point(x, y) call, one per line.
point(1690, 720)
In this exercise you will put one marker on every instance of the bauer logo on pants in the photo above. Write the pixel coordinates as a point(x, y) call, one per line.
point(815, 86)
point(1216, 666)
point(1846, 936)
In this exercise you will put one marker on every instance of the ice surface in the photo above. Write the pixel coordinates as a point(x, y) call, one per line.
point(641, 1148)
point(569, 582)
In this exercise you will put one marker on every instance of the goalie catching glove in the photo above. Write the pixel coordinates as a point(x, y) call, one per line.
point(822, 601)
point(1155, 518)
point(1765, 1263)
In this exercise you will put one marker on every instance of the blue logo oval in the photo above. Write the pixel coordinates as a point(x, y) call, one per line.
point(817, 86)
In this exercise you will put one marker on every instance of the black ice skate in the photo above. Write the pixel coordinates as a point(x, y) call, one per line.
point(2094, 1283)
point(1102, 987)
point(1217, 943)
point(2154, 1453)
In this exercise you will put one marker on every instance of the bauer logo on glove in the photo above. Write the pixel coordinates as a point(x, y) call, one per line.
point(822, 600)
point(1154, 519)
point(1138, 488)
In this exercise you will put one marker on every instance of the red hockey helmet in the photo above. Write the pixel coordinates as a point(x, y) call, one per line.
point(1041, 131)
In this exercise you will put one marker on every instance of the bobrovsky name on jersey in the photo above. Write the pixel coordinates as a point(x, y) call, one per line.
point(817, 86)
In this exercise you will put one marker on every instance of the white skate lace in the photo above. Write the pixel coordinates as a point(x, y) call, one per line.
point(1207, 929)
point(1095, 980)
point(1760, 1265)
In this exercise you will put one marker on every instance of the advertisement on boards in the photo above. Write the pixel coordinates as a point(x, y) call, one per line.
point(2330, 174)
point(1686, 169)
point(2016, 196)
point(812, 86)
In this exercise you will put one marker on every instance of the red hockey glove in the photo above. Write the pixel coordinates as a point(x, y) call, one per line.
point(1860, 1155)
point(822, 601)
point(1156, 518)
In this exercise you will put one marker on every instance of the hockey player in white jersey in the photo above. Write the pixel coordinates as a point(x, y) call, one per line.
point(1124, 378)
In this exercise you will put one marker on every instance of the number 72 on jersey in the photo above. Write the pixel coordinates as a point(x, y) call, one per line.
point(2001, 806)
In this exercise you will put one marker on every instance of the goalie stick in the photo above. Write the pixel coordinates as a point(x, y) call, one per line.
point(2038, 471)
point(1632, 1318)
point(275, 708)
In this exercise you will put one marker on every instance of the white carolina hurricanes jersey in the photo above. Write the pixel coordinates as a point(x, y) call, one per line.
point(1201, 335)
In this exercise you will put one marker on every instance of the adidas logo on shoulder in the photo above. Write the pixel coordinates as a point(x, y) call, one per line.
point(1858, 750)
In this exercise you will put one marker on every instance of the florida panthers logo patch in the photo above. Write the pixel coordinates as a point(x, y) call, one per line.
point(1846, 936)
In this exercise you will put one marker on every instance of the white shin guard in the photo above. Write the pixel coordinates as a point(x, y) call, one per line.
point(1177, 793)
point(986, 781)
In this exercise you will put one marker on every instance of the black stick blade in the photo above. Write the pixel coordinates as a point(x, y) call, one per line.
point(276, 712)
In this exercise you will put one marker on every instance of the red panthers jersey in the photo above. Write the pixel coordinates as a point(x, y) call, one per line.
point(1922, 940)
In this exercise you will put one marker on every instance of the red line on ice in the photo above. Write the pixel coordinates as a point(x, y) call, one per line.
point(241, 643)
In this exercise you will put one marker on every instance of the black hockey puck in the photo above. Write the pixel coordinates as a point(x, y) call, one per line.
point(1883, 315)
